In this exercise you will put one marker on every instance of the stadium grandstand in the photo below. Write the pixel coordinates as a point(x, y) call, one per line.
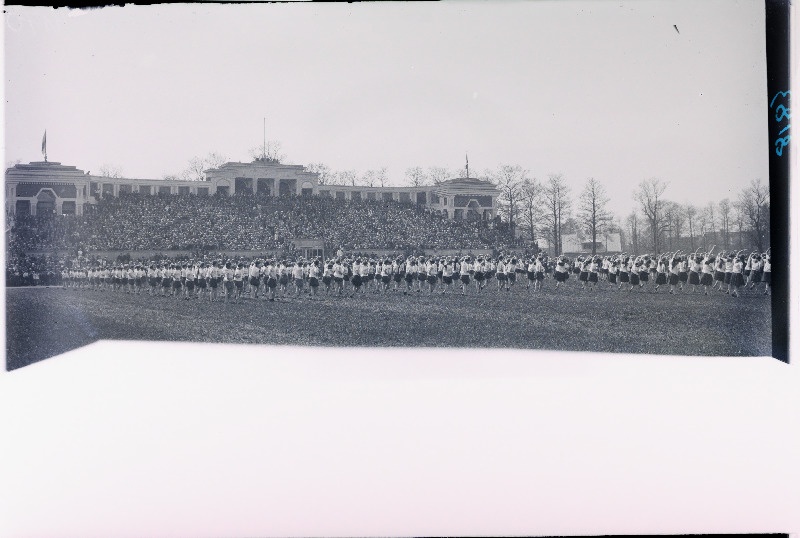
point(56, 212)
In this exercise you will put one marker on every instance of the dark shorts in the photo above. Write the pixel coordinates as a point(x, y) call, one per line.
point(634, 279)
point(673, 279)
point(213, 282)
point(644, 276)
point(465, 279)
point(683, 276)
point(501, 277)
point(612, 277)
point(409, 278)
point(737, 279)
point(479, 276)
point(661, 278)
point(583, 276)
point(766, 277)
point(201, 283)
point(447, 280)
point(531, 275)
point(284, 280)
point(176, 284)
point(512, 277)
point(124, 281)
point(325, 280)
point(624, 277)
point(190, 285)
point(398, 277)
point(166, 282)
point(706, 279)
point(356, 280)
point(727, 278)
point(592, 277)
point(228, 285)
point(385, 279)
point(694, 278)
point(313, 282)
point(432, 279)
point(719, 275)
point(298, 282)
point(254, 281)
point(539, 275)
point(338, 279)
point(153, 281)
point(422, 277)
point(561, 277)
point(273, 283)
point(239, 284)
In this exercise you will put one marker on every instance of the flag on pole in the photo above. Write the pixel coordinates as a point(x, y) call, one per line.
point(44, 145)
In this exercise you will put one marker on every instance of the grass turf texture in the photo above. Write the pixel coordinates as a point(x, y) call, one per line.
point(42, 322)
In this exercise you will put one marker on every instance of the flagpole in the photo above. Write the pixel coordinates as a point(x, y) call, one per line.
point(264, 147)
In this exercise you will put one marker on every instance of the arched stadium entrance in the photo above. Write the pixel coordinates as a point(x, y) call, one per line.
point(45, 202)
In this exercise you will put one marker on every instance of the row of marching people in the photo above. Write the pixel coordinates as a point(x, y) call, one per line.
point(730, 272)
point(271, 279)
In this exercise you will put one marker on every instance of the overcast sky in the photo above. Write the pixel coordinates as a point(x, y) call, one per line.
point(609, 90)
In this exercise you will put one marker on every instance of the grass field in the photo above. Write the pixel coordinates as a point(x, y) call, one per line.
point(42, 322)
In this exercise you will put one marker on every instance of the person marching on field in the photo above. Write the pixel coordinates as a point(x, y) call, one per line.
point(737, 275)
point(190, 273)
point(479, 273)
point(502, 279)
point(297, 277)
point(766, 276)
point(238, 281)
point(313, 279)
point(338, 276)
point(252, 277)
point(540, 271)
point(530, 273)
point(622, 271)
point(447, 275)
point(561, 271)
point(465, 269)
point(661, 273)
point(583, 275)
point(729, 270)
point(707, 270)
point(398, 273)
point(511, 272)
point(694, 266)
point(644, 271)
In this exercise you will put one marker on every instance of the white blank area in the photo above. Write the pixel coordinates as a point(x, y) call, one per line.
point(140, 439)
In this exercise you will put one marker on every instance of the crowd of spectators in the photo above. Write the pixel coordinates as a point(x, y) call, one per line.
point(135, 221)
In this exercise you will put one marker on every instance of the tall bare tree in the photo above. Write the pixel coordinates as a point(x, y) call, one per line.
point(593, 213)
point(531, 194)
point(269, 151)
point(375, 178)
point(111, 170)
point(509, 180)
point(754, 201)
point(438, 174)
point(691, 219)
point(558, 203)
point(348, 177)
point(325, 176)
point(632, 222)
point(711, 220)
point(650, 196)
point(195, 171)
point(725, 210)
point(415, 176)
